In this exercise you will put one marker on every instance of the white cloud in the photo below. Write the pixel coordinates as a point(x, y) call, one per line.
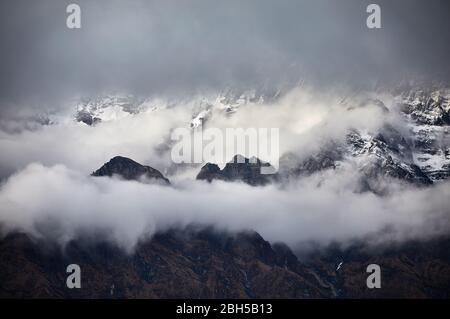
point(61, 203)
point(306, 119)
point(55, 196)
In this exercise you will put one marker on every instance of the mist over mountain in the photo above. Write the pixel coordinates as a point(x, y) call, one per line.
point(351, 168)
point(87, 118)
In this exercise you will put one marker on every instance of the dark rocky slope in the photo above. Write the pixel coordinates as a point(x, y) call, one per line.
point(207, 264)
point(130, 170)
point(176, 264)
point(238, 169)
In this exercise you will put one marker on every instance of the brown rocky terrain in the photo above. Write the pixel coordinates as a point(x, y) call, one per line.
point(201, 264)
point(210, 264)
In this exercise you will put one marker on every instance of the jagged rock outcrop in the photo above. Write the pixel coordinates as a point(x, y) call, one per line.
point(176, 264)
point(428, 113)
point(431, 108)
point(86, 118)
point(238, 169)
point(199, 263)
point(385, 155)
point(130, 170)
point(92, 111)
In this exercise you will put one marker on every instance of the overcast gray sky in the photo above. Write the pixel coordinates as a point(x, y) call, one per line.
point(168, 46)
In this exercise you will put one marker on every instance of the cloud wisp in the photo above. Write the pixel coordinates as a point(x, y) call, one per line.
point(62, 204)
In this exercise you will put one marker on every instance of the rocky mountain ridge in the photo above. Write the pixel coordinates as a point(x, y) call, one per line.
point(238, 169)
point(128, 169)
point(203, 263)
point(420, 157)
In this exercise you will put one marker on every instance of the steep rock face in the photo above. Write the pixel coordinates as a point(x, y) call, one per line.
point(418, 157)
point(428, 114)
point(210, 172)
point(209, 264)
point(432, 108)
point(179, 264)
point(91, 111)
point(238, 169)
point(432, 150)
point(292, 166)
point(414, 269)
point(86, 118)
point(386, 154)
point(129, 170)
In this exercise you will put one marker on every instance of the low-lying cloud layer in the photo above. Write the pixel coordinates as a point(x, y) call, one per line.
point(59, 203)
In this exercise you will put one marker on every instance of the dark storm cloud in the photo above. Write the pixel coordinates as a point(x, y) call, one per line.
point(160, 46)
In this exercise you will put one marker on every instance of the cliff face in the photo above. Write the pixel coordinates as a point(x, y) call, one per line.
point(208, 264)
point(200, 264)
point(410, 270)
point(238, 169)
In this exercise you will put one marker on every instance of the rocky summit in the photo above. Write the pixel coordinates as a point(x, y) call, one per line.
point(238, 169)
point(130, 170)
